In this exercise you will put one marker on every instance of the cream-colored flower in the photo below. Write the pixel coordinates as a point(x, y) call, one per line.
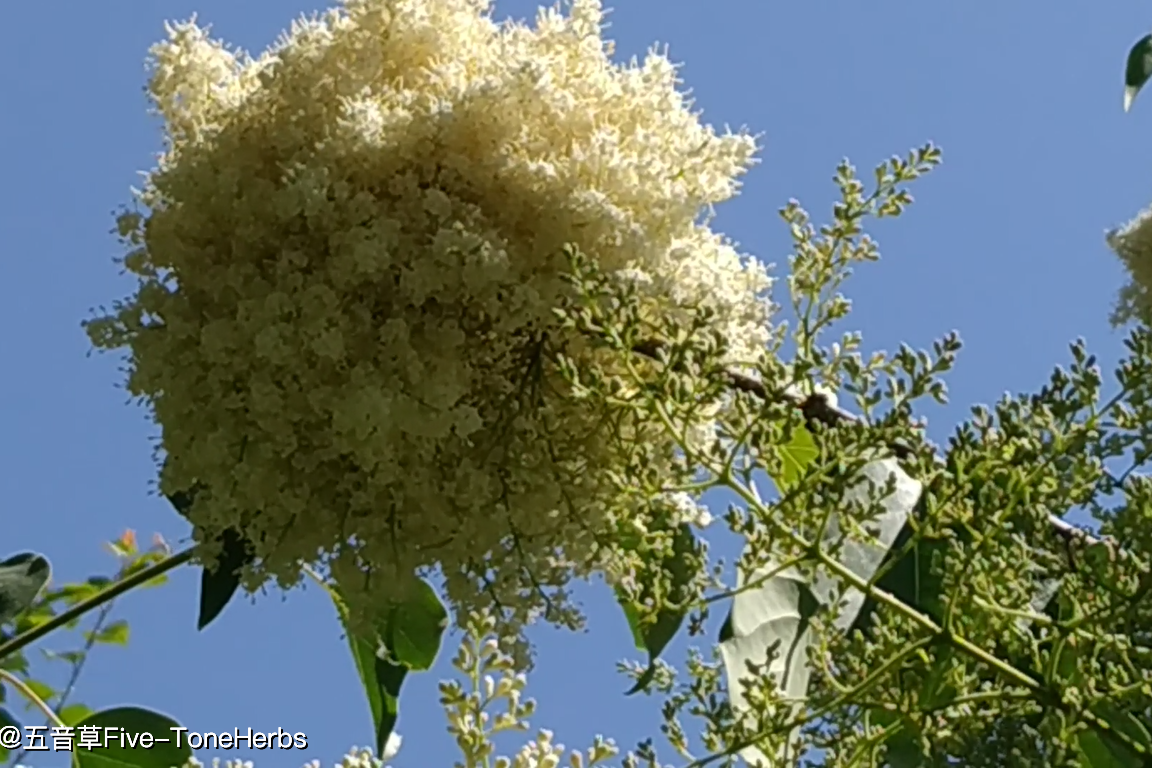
point(356, 758)
point(1133, 244)
point(348, 260)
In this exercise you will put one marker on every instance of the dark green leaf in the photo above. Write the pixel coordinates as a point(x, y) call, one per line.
point(389, 677)
point(382, 680)
point(1137, 70)
point(22, 578)
point(1096, 752)
point(912, 573)
point(904, 750)
point(17, 662)
point(1123, 733)
point(654, 634)
point(136, 750)
point(217, 586)
point(6, 720)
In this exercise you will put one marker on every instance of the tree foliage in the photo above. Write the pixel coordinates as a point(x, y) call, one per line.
point(896, 602)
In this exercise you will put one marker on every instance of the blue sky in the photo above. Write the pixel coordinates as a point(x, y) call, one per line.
point(1005, 245)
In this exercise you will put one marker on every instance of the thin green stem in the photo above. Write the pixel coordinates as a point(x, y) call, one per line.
point(111, 592)
point(29, 694)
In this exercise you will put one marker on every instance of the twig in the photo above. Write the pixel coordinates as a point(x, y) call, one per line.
point(817, 408)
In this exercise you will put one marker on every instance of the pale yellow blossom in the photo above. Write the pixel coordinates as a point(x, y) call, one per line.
point(348, 257)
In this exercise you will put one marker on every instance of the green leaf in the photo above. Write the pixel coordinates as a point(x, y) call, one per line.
point(407, 639)
point(143, 739)
point(913, 574)
point(389, 677)
point(1122, 733)
point(43, 691)
point(17, 662)
point(381, 680)
point(1098, 752)
point(73, 593)
point(7, 720)
point(74, 713)
point(147, 740)
point(1137, 70)
point(774, 616)
point(633, 617)
point(654, 634)
point(416, 627)
point(41, 614)
point(217, 586)
point(70, 657)
point(903, 749)
point(22, 578)
point(795, 457)
point(115, 633)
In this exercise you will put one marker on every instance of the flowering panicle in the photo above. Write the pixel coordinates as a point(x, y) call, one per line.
point(348, 257)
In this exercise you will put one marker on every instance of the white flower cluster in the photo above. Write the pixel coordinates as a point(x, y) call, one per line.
point(1133, 244)
point(349, 261)
point(357, 757)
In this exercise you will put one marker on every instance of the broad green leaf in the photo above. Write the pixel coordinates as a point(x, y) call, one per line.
point(800, 451)
point(408, 637)
point(389, 677)
point(115, 633)
point(864, 557)
point(914, 577)
point(773, 618)
point(22, 578)
point(217, 586)
point(654, 634)
point(1137, 70)
point(415, 628)
point(1097, 752)
point(777, 613)
point(135, 749)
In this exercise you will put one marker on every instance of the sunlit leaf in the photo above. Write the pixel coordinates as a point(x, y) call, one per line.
point(115, 633)
point(795, 458)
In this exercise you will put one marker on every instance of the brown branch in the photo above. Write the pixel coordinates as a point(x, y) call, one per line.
point(817, 408)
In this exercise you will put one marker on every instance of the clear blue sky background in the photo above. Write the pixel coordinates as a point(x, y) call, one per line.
point(1005, 245)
